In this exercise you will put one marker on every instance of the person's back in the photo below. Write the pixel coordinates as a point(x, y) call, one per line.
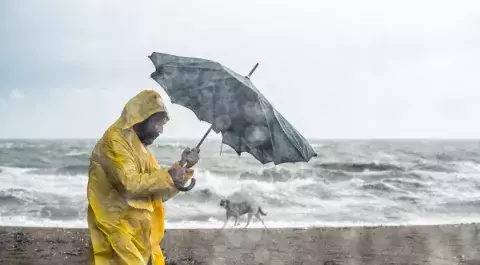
point(127, 188)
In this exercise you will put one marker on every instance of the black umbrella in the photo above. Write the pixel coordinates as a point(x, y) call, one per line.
point(233, 106)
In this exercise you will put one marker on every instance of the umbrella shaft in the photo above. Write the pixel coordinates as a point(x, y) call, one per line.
point(204, 136)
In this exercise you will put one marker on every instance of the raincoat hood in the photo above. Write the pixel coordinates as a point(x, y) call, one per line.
point(140, 107)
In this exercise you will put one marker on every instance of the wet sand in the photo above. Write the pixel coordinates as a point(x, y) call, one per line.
point(437, 245)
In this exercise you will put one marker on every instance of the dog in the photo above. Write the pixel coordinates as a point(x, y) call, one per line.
point(241, 208)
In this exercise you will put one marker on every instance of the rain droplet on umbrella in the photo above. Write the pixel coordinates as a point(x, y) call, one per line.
point(256, 135)
point(223, 122)
point(253, 112)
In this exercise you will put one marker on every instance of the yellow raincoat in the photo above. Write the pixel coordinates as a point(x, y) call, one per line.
point(126, 190)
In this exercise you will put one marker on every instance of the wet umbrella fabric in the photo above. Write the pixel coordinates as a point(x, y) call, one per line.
point(234, 107)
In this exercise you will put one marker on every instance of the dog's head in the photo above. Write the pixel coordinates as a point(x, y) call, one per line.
point(224, 203)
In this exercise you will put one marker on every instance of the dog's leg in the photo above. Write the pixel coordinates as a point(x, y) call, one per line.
point(225, 223)
point(250, 215)
point(258, 217)
point(236, 220)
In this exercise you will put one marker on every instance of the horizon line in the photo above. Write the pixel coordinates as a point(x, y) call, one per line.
point(309, 139)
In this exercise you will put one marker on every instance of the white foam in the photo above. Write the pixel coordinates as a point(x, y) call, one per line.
point(76, 153)
point(6, 145)
point(21, 221)
point(23, 178)
point(25, 221)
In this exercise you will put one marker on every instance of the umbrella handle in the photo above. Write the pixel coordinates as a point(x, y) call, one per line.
point(189, 187)
point(192, 180)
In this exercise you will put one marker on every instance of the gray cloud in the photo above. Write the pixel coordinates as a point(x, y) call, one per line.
point(335, 69)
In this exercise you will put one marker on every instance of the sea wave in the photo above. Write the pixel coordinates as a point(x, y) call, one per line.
point(44, 183)
point(360, 167)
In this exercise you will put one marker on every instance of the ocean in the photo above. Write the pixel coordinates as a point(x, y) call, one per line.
point(350, 183)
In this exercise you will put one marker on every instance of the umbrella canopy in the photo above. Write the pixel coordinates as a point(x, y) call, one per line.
point(233, 106)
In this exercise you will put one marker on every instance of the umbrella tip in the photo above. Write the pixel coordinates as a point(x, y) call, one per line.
point(253, 70)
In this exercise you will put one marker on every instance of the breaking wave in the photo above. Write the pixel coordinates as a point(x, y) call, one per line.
point(44, 184)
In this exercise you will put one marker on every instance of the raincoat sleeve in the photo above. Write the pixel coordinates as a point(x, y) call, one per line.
point(121, 167)
point(172, 191)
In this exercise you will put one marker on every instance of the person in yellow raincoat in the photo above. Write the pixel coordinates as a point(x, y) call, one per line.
point(127, 188)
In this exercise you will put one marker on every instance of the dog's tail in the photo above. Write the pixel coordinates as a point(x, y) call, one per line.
point(261, 211)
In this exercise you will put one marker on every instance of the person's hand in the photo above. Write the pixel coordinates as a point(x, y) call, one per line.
point(178, 175)
point(190, 156)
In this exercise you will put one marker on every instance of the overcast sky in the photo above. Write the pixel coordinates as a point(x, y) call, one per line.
point(334, 69)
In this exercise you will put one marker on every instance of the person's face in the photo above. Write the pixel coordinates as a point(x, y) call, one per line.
point(151, 128)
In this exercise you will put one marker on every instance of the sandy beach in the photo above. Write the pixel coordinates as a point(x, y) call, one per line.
point(438, 245)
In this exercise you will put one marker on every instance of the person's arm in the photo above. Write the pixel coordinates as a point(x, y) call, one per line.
point(121, 168)
point(168, 193)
